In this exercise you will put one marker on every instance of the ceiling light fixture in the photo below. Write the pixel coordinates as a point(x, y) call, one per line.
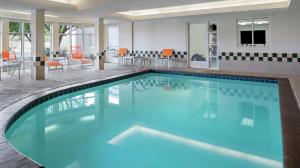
point(17, 12)
point(203, 6)
point(25, 13)
point(52, 16)
point(63, 1)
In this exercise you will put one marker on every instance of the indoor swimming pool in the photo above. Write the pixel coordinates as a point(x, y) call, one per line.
point(156, 120)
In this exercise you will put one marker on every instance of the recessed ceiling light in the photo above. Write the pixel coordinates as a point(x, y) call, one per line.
point(201, 6)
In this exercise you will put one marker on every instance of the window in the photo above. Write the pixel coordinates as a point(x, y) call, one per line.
point(0, 36)
point(88, 40)
point(77, 36)
point(27, 40)
point(48, 39)
point(113, 38)
point(20, 39)
point(64, 38)
point(253, 32)
point(83, 36)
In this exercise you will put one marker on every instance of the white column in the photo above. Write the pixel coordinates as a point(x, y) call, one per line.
point(100, 42)
point(132, 36)
point(37, 43)
point(5, 34)
point(55, 37)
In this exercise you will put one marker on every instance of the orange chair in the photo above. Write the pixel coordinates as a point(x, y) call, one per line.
point(9, 56)
point(53, 65)
point(166, 54)
point(77, 55)
point(122, 52)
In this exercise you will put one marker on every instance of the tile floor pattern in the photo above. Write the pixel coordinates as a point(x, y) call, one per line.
point(13, 89)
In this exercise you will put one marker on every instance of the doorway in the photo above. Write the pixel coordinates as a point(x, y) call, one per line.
point(203, 45)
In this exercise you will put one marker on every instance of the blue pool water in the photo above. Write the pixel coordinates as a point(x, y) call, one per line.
point(156, 121)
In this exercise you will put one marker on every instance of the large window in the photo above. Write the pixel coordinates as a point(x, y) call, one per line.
point(65, 38)
point(88, 40)
point(27, 40)
point(48, 39)
point(112, 37)
point(77, 36)
point(0, 36)
point(71, 35)
point(15, 38)
point(20, 39)
point(253, 32)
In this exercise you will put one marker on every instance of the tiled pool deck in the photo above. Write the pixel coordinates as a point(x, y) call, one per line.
point(13, 89)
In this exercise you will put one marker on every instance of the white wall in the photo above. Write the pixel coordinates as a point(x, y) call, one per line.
point(158, 34)
point(172, 33)
point(284, 32)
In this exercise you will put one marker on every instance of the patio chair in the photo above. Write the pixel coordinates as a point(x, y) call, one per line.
point(78, 56)
point(53, 65)
point(125, 55)
point(10, 59)
point(166, 54)
point(122, 53)
point(9, 56)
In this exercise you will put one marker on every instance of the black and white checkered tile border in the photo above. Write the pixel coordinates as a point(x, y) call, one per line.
point(157, 54)
point(266, 57)
point(240, 93)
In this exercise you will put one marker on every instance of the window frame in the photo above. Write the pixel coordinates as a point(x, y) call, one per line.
point(1, 49)
point(21, 33)
point(107, 36)
point(268, 32)
point(72, 34)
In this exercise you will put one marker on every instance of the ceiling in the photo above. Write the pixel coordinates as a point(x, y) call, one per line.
point(109, 8)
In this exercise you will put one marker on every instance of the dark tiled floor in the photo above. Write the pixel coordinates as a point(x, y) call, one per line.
point(290, 116)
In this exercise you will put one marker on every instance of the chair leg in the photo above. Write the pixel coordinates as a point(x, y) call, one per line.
point(19, 70)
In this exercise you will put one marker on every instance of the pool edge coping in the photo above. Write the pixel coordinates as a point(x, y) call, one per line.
point(289, 124)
